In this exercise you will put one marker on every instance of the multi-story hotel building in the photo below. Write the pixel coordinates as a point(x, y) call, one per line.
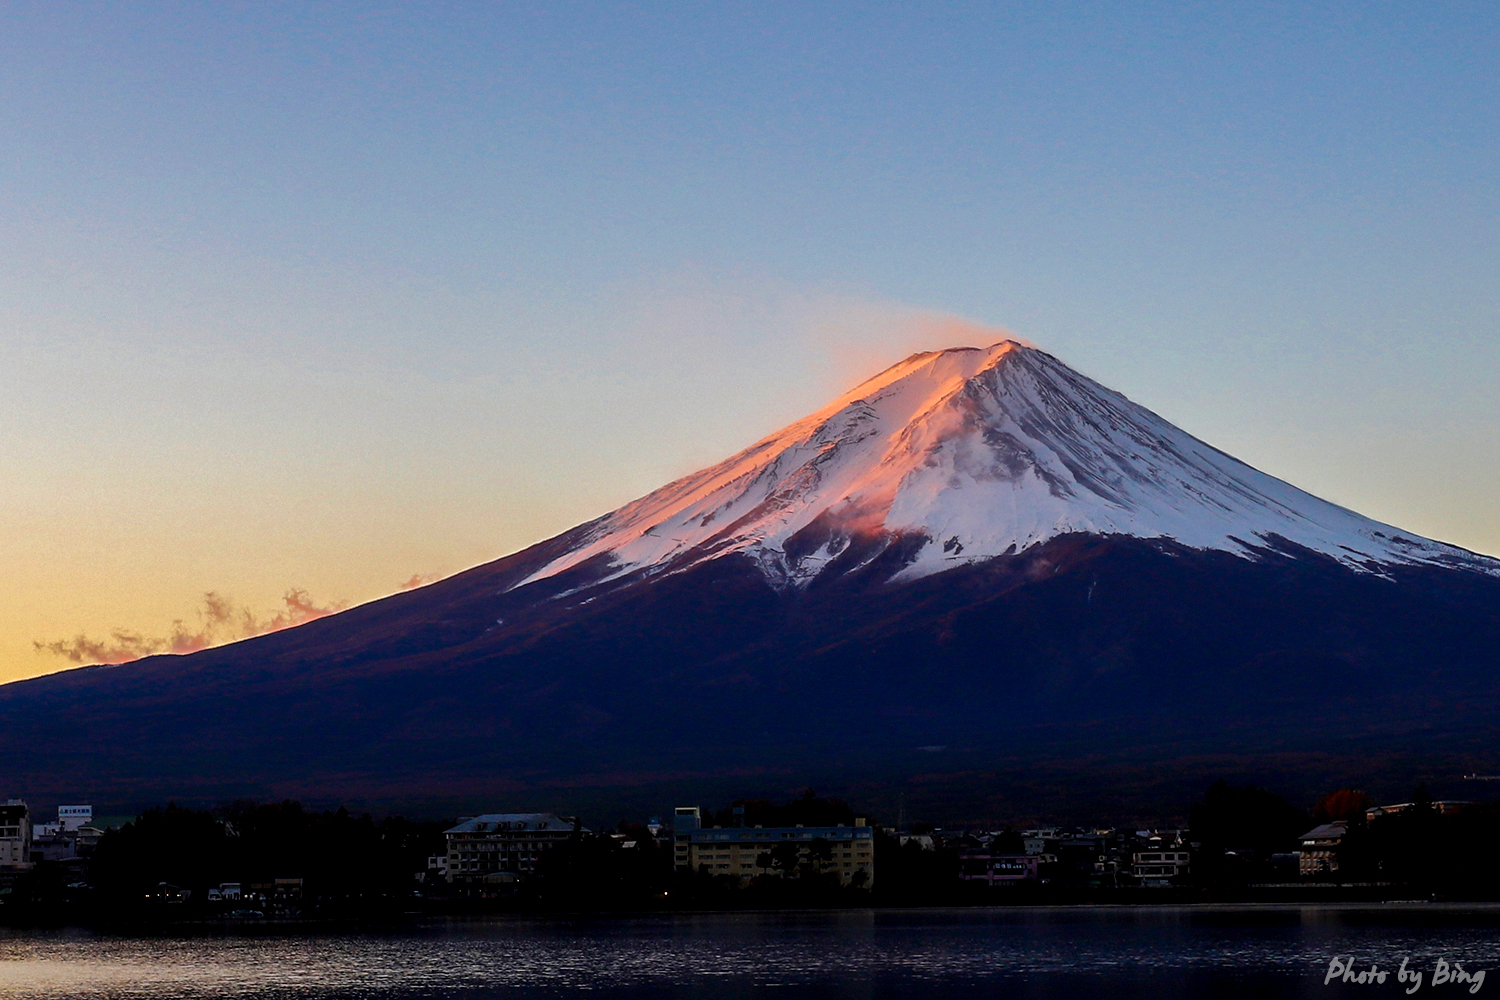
point(503, 843)
point(741, 850)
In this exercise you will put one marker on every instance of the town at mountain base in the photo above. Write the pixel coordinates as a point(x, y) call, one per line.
point(979, 578)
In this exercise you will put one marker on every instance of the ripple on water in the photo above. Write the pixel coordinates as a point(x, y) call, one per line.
point(885, 953)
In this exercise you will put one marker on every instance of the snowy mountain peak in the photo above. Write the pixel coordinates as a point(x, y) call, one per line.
point(971, 453)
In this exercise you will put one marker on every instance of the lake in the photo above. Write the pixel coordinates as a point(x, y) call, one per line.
point(1066, 952)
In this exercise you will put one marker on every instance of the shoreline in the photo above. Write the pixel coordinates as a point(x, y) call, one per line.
point(414, 920)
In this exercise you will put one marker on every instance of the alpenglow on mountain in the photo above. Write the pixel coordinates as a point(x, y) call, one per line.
point(982, 452)
point(979, 580)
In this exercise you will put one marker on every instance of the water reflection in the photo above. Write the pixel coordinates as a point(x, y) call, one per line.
point(1159, 953)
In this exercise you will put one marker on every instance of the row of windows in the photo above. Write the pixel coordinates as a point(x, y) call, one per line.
point(771, 835)
point(750, 867)
point(492, 843)
point(751, 855)
point(755, 849)
point(471, 855)
point(847, 868)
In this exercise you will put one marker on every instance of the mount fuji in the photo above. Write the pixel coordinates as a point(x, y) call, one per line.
point(978, 577)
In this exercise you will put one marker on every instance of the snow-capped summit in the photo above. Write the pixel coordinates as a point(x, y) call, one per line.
point(982, 452)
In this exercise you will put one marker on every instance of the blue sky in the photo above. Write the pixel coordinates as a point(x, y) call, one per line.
point(324, 295)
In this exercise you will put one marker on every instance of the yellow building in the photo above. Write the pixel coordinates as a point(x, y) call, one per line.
point(747, 851)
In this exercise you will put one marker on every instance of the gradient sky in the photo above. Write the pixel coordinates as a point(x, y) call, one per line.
point(328, 295)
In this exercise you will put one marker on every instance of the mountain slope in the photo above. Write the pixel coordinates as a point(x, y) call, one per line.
point(978, 550)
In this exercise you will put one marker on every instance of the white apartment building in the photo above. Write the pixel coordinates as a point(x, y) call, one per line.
point(503, 843)
point(15, 835)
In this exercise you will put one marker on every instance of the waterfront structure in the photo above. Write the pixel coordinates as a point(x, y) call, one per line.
point(499, 844)
point(1041, 841)
point(1320, 849)
point(85, 839)
point(998, 869)
point(1443, 807)
point(1157, 867)
point(71, 818)
point(67, 839)
point(227, 892)
point(15, 835)
point(746, 851)
point(49, 845)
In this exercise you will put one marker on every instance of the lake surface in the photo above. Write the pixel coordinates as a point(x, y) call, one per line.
point(1085, 952)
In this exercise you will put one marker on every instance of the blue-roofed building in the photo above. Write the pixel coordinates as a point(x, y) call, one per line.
point(745, 851)
point(496, 845)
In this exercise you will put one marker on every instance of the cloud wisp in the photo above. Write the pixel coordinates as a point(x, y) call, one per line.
point(220, 621)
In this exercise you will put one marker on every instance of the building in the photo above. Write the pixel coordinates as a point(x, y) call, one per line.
point(747, 851)
point(1443, 807)
point(1041, 841)
point(49, 845)
point(1158, 867)
point(509, 843)
point(70, 820)
point(15, 835)
point(85, 839)
point(998, 869)
point(69, 838)
point(1320, 850)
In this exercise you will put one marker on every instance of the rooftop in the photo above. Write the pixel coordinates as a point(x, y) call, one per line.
point(491, 822)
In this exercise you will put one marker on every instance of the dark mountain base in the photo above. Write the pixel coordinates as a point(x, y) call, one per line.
point(1106, 674)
